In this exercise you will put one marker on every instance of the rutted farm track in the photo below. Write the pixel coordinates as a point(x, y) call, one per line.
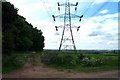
point(42, 71)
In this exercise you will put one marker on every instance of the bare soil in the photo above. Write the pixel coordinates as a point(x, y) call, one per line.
point(42, 71)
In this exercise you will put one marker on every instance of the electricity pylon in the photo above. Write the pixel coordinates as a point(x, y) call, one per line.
point(67, 40)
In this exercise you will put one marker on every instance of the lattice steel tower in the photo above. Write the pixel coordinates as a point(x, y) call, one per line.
point(67, 40)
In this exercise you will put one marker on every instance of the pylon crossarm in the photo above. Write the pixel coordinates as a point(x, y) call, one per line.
point(61, 4)
point(75, 27)
point(73, 4)
point(67, 39)
point(60, 16)
point(67, 3)
point(61, 26)
point(74, 16)
point(65, 46)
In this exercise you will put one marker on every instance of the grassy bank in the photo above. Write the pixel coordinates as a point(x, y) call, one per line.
point(17, 60)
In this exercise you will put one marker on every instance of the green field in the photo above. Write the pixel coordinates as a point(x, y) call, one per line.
point(81, 62)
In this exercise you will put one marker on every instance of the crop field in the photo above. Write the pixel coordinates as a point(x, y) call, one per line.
point(74, 61)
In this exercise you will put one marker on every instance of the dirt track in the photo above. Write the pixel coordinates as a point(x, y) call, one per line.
point(42, 71)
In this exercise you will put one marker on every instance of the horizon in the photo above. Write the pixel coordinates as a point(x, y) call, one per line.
point(86, 49)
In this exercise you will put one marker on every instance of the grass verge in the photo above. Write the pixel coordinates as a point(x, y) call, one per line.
point(17, 60)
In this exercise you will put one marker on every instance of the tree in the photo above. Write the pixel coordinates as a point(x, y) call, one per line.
point(38, 40)
point(18, 34)
point(9, 15)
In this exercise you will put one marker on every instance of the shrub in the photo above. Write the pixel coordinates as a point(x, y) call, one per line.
point(80, 58)
point(92, 62)
point(48, 58)
point(60, 59)
point(70, 59)
point(12, 62)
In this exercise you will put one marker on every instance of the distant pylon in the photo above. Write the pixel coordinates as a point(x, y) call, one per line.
point(67, 40)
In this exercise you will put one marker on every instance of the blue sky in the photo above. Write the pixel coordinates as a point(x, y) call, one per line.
point(99, 26)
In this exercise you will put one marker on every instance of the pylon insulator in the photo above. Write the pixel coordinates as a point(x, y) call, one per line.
point(76, 3)
point(75, 8)
point(58, 4)
point(59, 8)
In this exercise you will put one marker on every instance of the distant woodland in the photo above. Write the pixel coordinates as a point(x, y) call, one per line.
point(17, 33)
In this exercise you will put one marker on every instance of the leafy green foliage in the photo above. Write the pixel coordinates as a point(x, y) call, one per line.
point(38, 40)
point(18, 34)
point(17, 60)
point(9, 14)
point(61, 59)
point(92, 62)
point(80, 62)
point(12, 62)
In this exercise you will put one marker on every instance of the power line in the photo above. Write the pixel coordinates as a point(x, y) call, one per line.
point(95, 12)
point(46, 8)
point(88, 7)
point(50, 7)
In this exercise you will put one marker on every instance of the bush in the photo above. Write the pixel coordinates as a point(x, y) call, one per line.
point(70, 59)
point(81, 56)
point(80, 62)
point(60, 59)
point(12, 62)
point(73, 60)
point(92, 62)
point(48, 58)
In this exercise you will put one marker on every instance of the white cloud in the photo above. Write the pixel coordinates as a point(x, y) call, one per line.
point(107, 25)
point(103, 30)
point(104, 11)
point(112, 44)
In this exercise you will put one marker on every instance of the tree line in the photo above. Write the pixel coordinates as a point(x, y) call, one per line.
point(17, 33)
